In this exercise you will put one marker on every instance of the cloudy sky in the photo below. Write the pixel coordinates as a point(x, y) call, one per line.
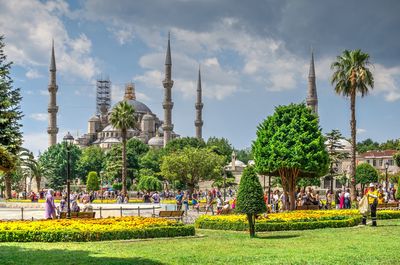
point(254, 55)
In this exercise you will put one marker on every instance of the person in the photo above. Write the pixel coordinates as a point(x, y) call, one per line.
point(372, 196)
point(63, 205)
point(209, 202)
point(156, 197)
point(341, 200)
point(146, 198)
point(185, 201)
point(347, 200)
point(195, 204)
point(75, 207)
point(178, 200)
point(87, 207)
point(329, 199)
point(318, 199)
point(233, 206)
point(337, 199)
point(219, 204)
point(50, 207)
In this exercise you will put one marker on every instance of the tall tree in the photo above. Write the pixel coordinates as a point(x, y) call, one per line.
point(351, 77)
point(290, 144)
point(92, 159)
point(123, 118)
point(192, 165)
point(54, 162)
point(10, 113)
point(250, 199)
point(365, 174)
point(221, 146)
point(182, 143)
point(336, 152)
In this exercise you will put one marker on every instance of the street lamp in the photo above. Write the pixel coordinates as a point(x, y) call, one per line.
point(68, 141)
point(386, 174)
point(101, 184)
point(224, 184)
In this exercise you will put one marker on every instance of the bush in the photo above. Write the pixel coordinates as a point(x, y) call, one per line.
point(92, 183)
point(298, 220)
point(91, 230)
point(250, 199)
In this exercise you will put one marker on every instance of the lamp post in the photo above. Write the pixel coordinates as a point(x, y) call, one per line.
point(224, 184)
point(68, 141)
point(101, 184)
point(387, 179)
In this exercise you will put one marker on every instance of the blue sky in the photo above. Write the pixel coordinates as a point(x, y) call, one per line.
point(254, 56)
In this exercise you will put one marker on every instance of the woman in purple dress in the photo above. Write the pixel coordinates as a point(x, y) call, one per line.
point(50, 207)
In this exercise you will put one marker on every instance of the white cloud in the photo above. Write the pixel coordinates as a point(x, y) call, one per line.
point(29, 27)
point(35, 142)
point(387, 82)
point(33, 74)
point(360, 130)
point(39, 116)
point(43, 92)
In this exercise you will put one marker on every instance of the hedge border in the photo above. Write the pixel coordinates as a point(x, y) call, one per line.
point(78, 236)
point(346, 221)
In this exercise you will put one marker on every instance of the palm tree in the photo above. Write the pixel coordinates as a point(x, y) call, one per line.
point(123, 118)
point(351, 76)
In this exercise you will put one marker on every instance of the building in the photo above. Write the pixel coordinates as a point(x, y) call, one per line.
point(378, 159)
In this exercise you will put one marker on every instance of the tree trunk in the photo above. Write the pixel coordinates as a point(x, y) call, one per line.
point(124, 190)
point(251, 219)
point(289, 176)
point(353, 126)
point(38, 180)
point(7, 180)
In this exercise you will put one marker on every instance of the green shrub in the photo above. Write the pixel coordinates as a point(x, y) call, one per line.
point(66, 236)
point(92, 183)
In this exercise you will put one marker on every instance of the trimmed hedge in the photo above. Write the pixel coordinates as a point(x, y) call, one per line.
point(79, 236)
point(279, 226)
point(343, 219)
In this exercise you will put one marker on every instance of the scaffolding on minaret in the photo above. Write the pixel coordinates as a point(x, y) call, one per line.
point(103, 94)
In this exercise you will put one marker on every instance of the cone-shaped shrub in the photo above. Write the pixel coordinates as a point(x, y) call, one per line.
point(250, 199)
point(92, 183)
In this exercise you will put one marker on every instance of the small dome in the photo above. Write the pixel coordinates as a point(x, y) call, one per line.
point(251, 163)
point(139, 106)
point(239, 163)
point(94, 118)
point(109, 128)
point(156, 141)
point(111, 140)
point(147, 117)
point(344, 143)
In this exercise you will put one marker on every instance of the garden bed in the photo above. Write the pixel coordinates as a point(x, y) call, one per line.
point(91, 230)
point(296, 220)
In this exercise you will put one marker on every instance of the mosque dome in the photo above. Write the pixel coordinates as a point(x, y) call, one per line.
point(94, 118)
point(344, 143)
point(156, 141)
point(139, 106)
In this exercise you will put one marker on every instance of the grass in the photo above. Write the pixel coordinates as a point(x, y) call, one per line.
point(356, 245)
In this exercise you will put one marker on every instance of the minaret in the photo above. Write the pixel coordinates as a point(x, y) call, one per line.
point(167, 103)
point(199, 107)
point(312, 99)
point(52, 109)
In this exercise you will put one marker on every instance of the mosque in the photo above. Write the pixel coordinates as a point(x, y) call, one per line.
point(150, 129)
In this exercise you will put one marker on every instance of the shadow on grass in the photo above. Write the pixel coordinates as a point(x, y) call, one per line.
point(21, 255)
point(276, 236)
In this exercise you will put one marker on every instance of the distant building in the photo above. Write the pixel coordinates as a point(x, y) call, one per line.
point(378, 159)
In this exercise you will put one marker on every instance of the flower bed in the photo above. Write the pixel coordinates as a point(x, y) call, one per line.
point(91, 230)
point(296, 220)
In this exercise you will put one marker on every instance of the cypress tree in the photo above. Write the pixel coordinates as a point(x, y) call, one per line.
point(10, 113)
point(250, 199)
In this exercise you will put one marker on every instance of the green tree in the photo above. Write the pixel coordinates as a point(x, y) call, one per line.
point(391, 145)
point(351, 77)
point(367, 145)
point(149, 183)
point(152, 160)
point(135, 149)
point(365, 174)
point(92, 183)
point(250, 199)
point(336, 152)
point(221, 146)
point(10, 113)
point(54, 161)
point(181, 143)
point(290, 144)
point(7, 160)
point(192, 165)
point(123, 118)
point(222, 181)
point(396, 158)
point(398, 190)
point(244, 155)
point(92, 159)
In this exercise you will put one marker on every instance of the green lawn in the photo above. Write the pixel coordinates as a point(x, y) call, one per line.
point(356, 245)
